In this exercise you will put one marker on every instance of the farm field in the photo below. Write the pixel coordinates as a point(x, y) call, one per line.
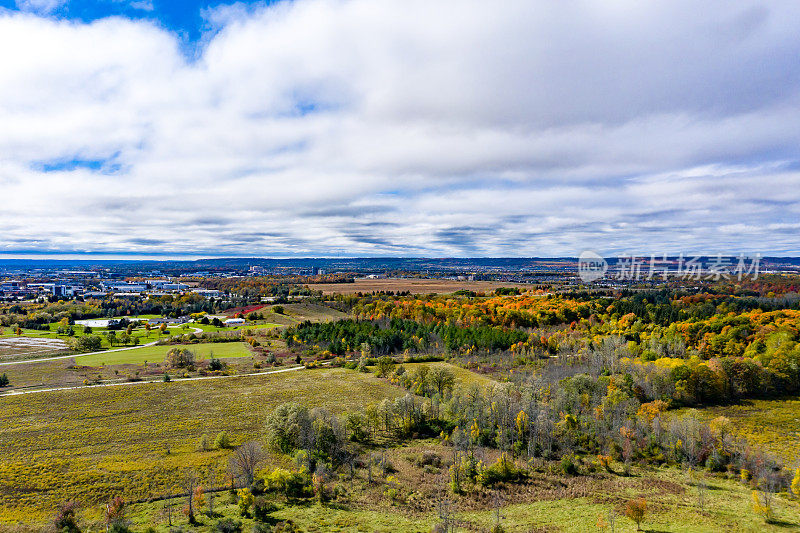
point(299, 312)
point(414, 285)
point(771, 424)
point(135, 441)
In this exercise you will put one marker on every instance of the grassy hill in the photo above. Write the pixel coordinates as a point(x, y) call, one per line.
point(135, 441)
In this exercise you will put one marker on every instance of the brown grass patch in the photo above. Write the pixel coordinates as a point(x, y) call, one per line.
point(413, 285)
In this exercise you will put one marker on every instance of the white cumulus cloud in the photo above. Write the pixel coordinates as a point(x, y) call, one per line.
point(326, 127)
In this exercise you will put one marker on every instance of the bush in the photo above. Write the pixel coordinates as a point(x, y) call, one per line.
point(291, 484)
point(277, 309)
point(245, 501)
point(215, 364)
point(228, 525)
point(222, 441)
point(262, 508)
point(4, 381)
point(384, 366)
point(715, 462)
point(568, 465)
point(502, 470)
point(66, 520)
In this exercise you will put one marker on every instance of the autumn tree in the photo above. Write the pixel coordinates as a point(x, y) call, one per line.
point(180, 357)
point(635, 511)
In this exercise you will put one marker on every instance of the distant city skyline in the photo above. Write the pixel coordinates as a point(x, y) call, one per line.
point(362, 128)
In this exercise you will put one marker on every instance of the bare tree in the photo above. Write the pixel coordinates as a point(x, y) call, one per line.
point(244, 461)
point(190, 482)
point(167, 510)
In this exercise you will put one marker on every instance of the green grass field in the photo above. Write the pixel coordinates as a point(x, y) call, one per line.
point(157, 354)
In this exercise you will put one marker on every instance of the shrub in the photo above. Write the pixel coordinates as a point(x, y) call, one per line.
point(502, 470)
point(277, 309)
point(222, 441)
point(4, 380)
point(245, 501)
point(215, 364)
point(66, 520)
point(568, 465)
point(262, 508)
point(635, 511)
point(384, 366)
point(715, 462)
point(292, 484)
point(286, 527)
point(228, 525)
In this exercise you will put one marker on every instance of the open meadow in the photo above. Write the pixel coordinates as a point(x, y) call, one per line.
point(771, 424)
point(94, 443)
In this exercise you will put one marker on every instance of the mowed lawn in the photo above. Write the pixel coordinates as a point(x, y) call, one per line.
point(94, 443)
point(157, 354)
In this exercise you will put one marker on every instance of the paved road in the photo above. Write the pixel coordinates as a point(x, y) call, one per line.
point(124, 383)
point(56, 358)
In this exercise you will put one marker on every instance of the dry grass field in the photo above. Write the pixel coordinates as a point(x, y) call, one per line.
point(413, 285)
point(90, 444)
point(773, 425)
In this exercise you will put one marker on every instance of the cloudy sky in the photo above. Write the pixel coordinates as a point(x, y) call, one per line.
point(399, 127)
